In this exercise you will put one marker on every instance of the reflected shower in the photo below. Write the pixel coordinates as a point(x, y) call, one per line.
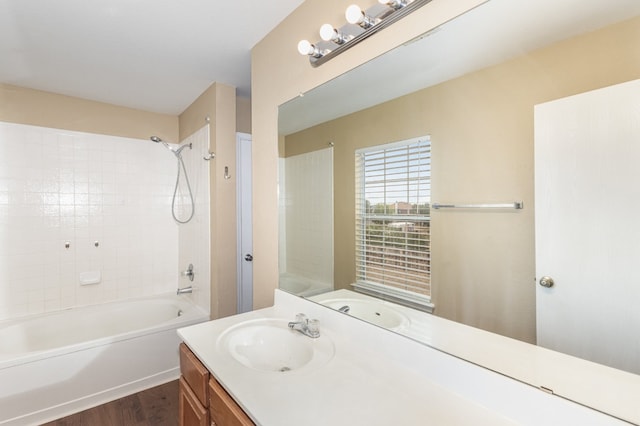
point(178, 153)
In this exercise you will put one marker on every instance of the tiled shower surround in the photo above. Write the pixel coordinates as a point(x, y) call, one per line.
point(73, 203)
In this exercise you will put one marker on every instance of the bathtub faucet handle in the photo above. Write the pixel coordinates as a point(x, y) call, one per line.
point(189, 272)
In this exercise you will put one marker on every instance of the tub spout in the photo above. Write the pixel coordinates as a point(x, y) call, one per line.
point(184, 290)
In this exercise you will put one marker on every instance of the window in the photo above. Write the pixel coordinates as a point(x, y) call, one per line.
point(393, 192)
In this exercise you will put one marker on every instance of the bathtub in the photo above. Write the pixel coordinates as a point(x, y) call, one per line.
point(56, 364)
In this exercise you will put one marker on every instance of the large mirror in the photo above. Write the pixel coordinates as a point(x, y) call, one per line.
point(471, 87)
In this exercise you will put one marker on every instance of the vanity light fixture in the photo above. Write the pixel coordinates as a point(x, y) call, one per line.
point(360, 25)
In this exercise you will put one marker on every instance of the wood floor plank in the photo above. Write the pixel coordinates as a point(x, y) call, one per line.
point(102, 415)
point(131, 410)
point(156, 406)
point(160, 404)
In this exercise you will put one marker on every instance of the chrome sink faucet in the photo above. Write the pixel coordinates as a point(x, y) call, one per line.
point(308, 327)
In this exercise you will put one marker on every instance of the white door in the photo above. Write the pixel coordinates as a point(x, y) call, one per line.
point(245, 229)
point(587, 195)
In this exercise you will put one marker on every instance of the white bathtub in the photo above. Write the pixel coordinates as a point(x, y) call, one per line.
point(60, 363)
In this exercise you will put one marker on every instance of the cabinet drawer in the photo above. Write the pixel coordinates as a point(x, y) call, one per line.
point(223, 409)
point(191, 411)
point(195, 374)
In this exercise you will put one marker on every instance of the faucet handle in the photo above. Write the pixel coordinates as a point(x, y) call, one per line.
point(313, 327)
point(301, 318)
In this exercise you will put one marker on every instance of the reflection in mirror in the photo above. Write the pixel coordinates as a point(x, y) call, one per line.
point(473, 86)
point(306, 222)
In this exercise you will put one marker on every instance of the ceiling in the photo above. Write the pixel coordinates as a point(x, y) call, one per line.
point(490, 34)
point(153, 55)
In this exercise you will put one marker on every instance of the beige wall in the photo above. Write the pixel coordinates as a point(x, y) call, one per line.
point(279, 73)
point(243, 115)
point(217, 105)
point(38, 108)
point(482, 134)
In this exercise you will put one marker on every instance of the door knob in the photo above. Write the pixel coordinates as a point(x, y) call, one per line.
point(248, 257)
point(546, 282)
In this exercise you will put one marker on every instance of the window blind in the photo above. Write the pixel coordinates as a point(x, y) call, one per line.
point(393, 192)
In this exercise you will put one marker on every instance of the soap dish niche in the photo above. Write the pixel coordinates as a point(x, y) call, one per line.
point(90, 278)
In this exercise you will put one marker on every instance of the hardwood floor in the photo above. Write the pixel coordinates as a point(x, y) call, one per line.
point(152, 407)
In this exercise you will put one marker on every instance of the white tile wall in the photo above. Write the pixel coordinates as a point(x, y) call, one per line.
point(308, 206)
point(59, 186)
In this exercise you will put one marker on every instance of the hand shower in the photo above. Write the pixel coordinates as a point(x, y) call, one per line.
point(178, 153)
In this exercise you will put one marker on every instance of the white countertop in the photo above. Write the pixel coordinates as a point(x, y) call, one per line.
point(375, 378)
point(595, 385)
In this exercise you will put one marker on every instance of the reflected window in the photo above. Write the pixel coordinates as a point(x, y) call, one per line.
point(393, 192)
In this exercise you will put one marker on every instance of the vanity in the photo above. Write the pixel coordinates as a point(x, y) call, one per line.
point(202, 400)
point(259, 371)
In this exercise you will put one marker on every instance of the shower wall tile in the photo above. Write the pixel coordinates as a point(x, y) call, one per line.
point(59, 187)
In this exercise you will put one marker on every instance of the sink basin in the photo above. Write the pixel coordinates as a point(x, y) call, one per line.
point(270, 345)
point(371, 311)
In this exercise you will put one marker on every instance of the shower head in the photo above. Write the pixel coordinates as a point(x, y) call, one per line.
point(176, 151)
point(156, 139)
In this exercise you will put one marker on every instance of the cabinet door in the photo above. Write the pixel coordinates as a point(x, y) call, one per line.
point(192, 412)
point(195, 374)
point(224, 410)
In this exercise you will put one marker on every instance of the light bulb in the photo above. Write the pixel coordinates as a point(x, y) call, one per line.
point(327, 32)
point(354, 14)
point(308, 49)
point(305, 47)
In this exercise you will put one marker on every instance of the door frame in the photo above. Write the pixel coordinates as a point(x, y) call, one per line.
point(244, 221)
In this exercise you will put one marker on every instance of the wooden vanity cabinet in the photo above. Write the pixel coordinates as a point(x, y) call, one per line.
point(202, 400)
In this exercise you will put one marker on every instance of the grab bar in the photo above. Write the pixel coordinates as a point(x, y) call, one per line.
point(517, 205)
